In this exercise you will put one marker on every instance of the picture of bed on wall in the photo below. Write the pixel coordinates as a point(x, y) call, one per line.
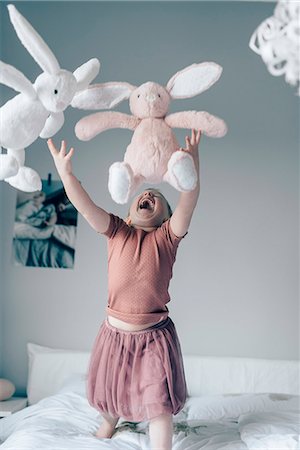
point(45, 228)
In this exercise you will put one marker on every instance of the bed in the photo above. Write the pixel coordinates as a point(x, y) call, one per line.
point(233, 404)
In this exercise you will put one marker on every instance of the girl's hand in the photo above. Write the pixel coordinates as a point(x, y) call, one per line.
point(62, 159)
point(192, 144)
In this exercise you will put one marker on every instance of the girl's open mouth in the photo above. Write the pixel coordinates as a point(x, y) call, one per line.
point(146, 203)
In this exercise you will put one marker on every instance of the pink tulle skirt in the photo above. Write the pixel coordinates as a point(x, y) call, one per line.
point(137, 375)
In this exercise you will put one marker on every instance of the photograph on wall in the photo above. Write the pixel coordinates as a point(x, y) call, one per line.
point(45, 228)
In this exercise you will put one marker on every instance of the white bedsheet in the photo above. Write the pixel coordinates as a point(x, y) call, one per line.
point(65, 421)
point(274, 430)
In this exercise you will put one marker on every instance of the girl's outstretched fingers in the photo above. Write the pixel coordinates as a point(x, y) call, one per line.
point(52, 147)
point(187, 142)
point(63, 148)
point(198, 136)
point(70, 154)
point(193, 136)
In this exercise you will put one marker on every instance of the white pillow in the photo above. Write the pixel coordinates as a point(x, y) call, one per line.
point(212, 375)
point(48, 368)
point(219, 407)
point(75, 383)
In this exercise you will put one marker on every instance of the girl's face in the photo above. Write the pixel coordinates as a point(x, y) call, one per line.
point(149, 209)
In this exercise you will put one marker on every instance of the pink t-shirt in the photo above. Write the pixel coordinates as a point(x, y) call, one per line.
point(139, 271)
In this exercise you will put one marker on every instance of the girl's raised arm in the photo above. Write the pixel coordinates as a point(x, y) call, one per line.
point(97, 217)
point(183, 213)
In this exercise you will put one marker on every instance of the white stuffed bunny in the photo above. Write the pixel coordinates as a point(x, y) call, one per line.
point(153, 154)
point(38, 109)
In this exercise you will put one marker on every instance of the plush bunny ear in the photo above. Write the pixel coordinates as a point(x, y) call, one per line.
point(194, 79)
point(102, 96)
point(33, 42)
point(12, 77)
point(86, 73)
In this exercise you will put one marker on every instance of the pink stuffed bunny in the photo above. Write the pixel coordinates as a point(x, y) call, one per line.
point(154, 154)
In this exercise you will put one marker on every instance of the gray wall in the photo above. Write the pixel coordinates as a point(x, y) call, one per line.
point(235, 285)
point(2, 286)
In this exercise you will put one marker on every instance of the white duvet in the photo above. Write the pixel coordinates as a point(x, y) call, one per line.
point(66, 421)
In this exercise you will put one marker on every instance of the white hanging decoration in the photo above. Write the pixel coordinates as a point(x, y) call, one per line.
point(277, 40)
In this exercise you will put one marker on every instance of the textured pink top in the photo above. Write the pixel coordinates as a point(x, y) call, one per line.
point(139, 271)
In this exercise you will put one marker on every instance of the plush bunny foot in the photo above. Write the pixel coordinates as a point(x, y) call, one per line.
point(26, 180)
point(181, 173)
point(8, 166)
point(120, 181)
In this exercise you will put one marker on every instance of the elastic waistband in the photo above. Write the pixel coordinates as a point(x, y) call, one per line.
point(162, 324)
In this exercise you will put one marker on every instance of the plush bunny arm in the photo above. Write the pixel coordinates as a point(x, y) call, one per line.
point(33, 42)
point(53, 124)
point(90, 126)
point(86, 73)
point(13, 78)
point(199, 120)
